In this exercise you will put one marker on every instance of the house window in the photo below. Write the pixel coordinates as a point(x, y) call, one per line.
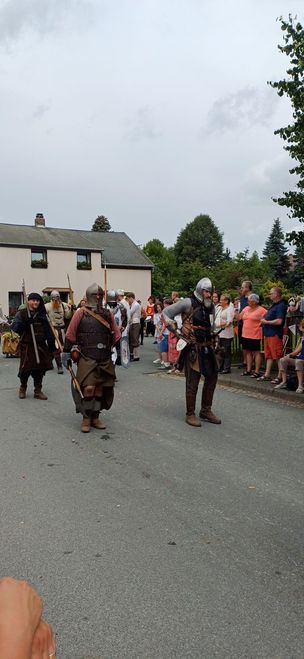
point(84, 261)
point(14, 301)
point(39, 258)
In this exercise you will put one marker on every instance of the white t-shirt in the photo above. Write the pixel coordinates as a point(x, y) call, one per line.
point(225, 316)
point(135, 313)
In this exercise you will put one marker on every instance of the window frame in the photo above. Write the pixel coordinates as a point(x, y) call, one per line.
point(85, 264)
point(39, 263)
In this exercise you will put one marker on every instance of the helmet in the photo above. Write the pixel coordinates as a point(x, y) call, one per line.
point(91, 294)
point(54, 294)
point(111, 298)
point(120, 291)
point(203, 284)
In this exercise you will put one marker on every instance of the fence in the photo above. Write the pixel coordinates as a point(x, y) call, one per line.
point(292, 321)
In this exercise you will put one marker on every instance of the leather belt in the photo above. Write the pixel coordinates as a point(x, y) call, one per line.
point(100, 346)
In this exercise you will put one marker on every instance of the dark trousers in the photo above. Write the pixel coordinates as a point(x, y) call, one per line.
point(192, 382)
point(142, 331)
point(225, 357)
point(150, 328)
point(36, 375)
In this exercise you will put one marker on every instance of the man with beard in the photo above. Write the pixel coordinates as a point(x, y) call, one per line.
point(58, 313)
point(34, 315)
point(90, 336)
point(197, 357)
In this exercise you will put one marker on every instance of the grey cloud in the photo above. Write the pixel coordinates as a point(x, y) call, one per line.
point(143, 127)
point(41, 16)
point(247, 107)
point(41, 110)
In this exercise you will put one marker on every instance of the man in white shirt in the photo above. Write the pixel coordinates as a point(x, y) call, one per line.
point(134, 327)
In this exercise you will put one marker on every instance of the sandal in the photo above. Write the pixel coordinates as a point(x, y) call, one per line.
point(264, 378)
point(276, 381)
point(255, 375)
point(246, 373)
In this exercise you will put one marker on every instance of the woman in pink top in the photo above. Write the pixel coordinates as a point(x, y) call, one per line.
point(252, 334)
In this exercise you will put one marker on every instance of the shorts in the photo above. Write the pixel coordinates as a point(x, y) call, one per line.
point(273, 346)
point(251, 344)
point(163, 345)
point(291, 361)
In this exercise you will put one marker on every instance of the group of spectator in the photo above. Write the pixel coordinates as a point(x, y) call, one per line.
point(260, 330)
point(254, 324)
point(164, 339)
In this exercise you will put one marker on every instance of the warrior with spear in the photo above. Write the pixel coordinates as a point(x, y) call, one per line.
point(37, 343)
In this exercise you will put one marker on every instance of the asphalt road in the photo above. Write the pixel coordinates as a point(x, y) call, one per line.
point(152, 539)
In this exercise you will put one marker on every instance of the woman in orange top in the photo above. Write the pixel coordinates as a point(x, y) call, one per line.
point(150, 310)
point(252, 334)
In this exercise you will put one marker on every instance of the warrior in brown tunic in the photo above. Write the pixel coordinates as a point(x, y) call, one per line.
point(90, 337)
point(44, 341)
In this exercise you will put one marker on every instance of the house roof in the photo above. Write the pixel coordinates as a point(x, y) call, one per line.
point(118, 248)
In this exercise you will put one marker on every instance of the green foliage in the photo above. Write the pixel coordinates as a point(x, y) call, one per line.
point(165, 276)
point(264, 291)
point(275, 252)
point(229, 275)
point(295, 278)
point(101, 224)
point(200, 241)
point(293, 134)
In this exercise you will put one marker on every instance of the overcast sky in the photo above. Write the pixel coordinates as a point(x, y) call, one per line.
point(146, 111)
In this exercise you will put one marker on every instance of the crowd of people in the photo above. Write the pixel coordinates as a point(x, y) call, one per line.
point(261, 332)
point(106, 331)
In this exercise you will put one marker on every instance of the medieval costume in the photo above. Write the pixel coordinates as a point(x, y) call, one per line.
point(197, 357)
point(58, 313)
point(120, 314)
point(91, 335)
point(35, 316)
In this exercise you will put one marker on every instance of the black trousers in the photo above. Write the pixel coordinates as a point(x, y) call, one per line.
point(37, 376)
point(193, 380)
point(226, 356)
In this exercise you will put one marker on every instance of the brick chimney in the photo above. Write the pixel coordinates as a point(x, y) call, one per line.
point(39, 220)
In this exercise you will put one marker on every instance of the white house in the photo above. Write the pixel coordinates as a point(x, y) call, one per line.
point(44, 257)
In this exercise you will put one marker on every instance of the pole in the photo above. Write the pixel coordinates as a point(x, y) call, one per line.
point(71, 294)
point(105, 275)
point(31, 326)
point(75, 381)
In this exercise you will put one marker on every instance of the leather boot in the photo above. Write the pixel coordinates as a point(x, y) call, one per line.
point(191, 418)
point(86, 424)
point(96, 422)
point(38, 393)
point(22, 392)
point(207, 414)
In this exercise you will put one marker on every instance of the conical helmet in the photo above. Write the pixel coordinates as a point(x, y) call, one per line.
point(203, 284)
point(94, 295)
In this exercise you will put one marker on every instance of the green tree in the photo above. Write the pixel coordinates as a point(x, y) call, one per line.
point(200, 241)
point(229, 274)
point(275, 251)
point(265, 290)
point(165, 277)
point(293, 134)
point(296, 274)
point(101, 224)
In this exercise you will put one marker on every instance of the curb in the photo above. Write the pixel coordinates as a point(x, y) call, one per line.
point(281, 394)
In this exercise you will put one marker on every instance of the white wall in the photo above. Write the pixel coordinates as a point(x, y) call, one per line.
point(15, 265)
